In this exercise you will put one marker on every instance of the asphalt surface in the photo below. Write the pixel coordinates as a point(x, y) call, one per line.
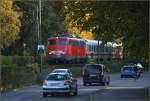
point(134, 94)
point(125, 89)
point(119, 89)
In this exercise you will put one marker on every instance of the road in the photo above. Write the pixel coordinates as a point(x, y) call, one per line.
point(125, 89)
point(86, 93)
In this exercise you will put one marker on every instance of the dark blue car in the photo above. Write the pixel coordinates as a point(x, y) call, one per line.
point(128, 71)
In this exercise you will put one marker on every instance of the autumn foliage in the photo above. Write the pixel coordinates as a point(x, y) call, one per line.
point(9, 23)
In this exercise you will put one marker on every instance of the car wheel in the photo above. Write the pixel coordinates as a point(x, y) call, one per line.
point(84, 83)
point(52, 94)
point(90, 84)
point(76, 92)
point(104, 83)
point(68, 94)
point(44, 94)
point(108, 82)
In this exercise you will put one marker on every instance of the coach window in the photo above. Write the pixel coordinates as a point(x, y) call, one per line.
point(93, 48)
point(90, 47)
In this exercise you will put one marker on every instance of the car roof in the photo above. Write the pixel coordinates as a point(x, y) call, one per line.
point(100, 65)
point(96, 64)
point(126, 66)
point(93, 64)
point(60, 69)
point(61, 73)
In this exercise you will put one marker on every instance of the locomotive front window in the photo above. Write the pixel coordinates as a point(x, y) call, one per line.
point(62, 42)
point(51, 42)
point(75, 43)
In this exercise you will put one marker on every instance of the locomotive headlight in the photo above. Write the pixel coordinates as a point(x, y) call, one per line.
point(56, 52)
point(60, 52)
point(51, 52)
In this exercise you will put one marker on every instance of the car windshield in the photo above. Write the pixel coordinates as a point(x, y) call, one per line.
point(51, 42)
point(56, 77)
point(127, 68)
point(59, 71)
point(93, 68)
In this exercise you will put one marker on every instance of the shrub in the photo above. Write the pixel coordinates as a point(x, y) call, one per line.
point(22, 61)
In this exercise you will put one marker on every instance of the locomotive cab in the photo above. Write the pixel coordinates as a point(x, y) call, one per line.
point(65, 50)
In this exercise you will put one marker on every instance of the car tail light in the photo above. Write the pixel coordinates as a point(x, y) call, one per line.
point(45, 83)
point(102, 73)
point(82, 71)
point(67, 82)
point(85, 72)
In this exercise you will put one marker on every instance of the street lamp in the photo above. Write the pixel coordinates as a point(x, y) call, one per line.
point(24, 45)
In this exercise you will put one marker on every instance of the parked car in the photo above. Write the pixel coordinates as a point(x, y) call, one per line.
point(59, 83)
point(95, 73)
point(128, 71)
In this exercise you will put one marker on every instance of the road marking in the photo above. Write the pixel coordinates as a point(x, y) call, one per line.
point(86, 89)
point(124, 87)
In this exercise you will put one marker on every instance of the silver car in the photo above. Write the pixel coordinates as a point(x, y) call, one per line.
point(59, 83)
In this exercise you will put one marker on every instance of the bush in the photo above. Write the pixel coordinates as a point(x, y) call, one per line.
point(6, 60)
point(32, 66)
point(7, 75)
point(7, 63)
point(76, 71)
point(18, 60)
point(13, 71)
point(22, 61)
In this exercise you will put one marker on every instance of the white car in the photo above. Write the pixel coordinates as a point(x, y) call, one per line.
point(56, 83)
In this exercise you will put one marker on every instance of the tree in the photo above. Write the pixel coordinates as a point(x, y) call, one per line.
point(77, 13)
point(9, 23)
point(122, 22)
point(51, 18)
point(86, 35)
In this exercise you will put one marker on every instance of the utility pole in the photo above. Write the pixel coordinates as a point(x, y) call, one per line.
point(37, 22)
point(40, 41)
point(98, 51)
point(24, 49)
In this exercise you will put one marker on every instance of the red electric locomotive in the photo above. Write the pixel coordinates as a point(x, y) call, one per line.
point(66, 50)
